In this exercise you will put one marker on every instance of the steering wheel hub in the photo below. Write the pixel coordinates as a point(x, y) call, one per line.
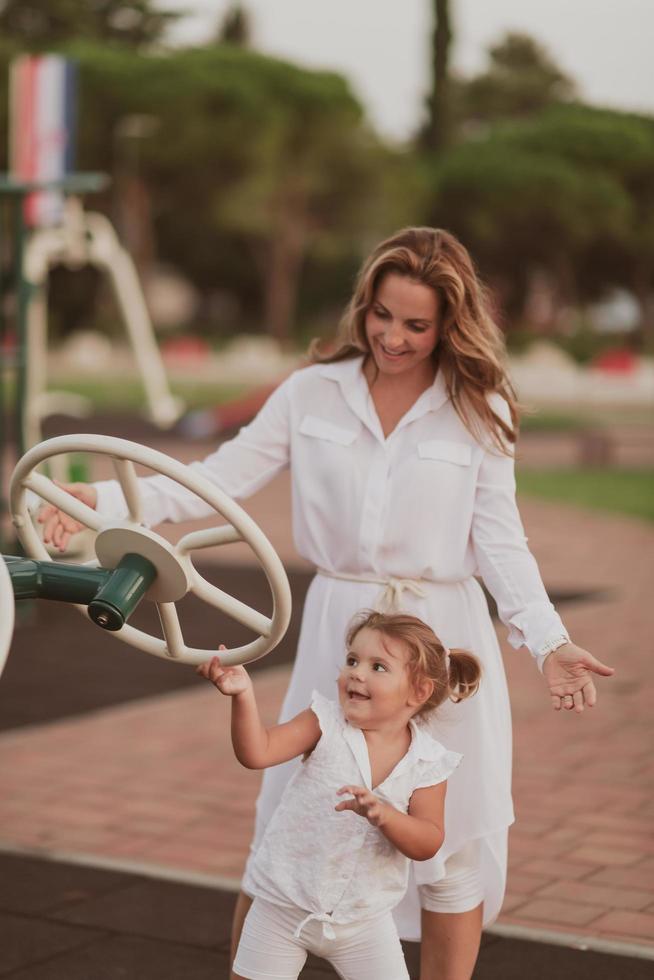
point(173, 579)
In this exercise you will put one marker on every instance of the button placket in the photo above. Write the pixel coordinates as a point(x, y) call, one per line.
point(344, 880)
point(373, 505)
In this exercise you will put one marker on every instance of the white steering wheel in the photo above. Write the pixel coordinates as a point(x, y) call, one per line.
point(6, 613)
point(176, 574)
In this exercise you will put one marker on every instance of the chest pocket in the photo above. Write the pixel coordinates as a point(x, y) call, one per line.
point(448, 452)
point(319, 428)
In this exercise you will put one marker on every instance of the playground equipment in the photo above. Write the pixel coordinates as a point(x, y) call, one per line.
point(133, 562)
point(48, 226)
point(87, 238)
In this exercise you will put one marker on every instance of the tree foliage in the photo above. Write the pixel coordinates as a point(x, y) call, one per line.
point(253, 165)
point(617, 149)
point(264, 180)
point(521, 80)
point(44, 24)
point(569, 191)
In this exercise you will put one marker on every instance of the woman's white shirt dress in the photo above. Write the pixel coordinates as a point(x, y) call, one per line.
point(409, 519)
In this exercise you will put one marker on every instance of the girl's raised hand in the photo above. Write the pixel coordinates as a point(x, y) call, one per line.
point(58, 526)
point(229, 680)
point(363, 802)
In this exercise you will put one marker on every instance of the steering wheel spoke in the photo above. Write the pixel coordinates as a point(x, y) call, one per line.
point(172, 630)
point(126, 475)
point(240, 611)
point(70, 505)
point(208, 538)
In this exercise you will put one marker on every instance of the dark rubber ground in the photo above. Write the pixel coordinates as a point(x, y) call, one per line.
point(66, 922)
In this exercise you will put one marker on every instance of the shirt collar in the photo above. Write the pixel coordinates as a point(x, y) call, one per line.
point(354, 387)
point(359, 748)
point(424, 748)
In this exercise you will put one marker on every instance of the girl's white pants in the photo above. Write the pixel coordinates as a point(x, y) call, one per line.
point(270, 950)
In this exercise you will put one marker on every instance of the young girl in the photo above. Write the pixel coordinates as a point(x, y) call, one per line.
point(328, 873)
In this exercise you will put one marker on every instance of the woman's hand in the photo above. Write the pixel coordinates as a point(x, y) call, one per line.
point(365, 803)
point(568, 674)
point(58, 526)
point(229, 680)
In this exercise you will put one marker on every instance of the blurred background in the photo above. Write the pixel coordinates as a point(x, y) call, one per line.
point(256, 152)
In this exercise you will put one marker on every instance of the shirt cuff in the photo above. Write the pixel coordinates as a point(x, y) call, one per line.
point(548, 648)
point(537, 626)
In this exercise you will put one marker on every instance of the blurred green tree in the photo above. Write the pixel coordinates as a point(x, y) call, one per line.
point(618, 150)
point(253, 165)
point(521, 79)
point(522, 213)
point(43, 24)
point(568, 192)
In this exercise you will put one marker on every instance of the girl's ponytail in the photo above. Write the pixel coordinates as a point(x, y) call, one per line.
point(464, 675)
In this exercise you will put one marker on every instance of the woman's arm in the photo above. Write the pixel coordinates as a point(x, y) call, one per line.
point(505, 563)
point(419, 833)
point(255, 746)
point(511, 575)
point(239, 467)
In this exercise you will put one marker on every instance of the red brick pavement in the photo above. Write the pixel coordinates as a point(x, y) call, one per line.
point(154, 783)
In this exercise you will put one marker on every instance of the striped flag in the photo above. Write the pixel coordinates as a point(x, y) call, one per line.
point(42, 116)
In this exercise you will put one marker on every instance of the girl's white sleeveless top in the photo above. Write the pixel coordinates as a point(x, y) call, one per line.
point(334, 864)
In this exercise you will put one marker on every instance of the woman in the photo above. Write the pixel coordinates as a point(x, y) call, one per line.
point(399, 445)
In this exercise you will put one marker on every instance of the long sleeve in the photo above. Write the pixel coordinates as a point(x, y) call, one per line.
point(239, 467)
point(505, 563)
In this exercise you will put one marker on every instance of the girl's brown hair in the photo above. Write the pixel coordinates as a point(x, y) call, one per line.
point(470, 346)
point(455, 677)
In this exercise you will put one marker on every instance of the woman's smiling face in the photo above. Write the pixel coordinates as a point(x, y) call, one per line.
point(402, 325)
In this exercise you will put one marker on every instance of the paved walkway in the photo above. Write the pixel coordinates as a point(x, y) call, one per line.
point(153, 784)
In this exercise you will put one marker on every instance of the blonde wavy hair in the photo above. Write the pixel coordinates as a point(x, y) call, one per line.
point(470, 347)
point(454, 674)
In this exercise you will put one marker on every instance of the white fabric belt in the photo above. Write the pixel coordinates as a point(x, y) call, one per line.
point(392, 587)
point(324, 917)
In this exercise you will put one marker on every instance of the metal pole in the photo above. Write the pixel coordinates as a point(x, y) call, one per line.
point(22, 287)
point(13, 230)
point(3, 395)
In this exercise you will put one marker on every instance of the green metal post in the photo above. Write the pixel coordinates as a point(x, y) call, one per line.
point(31, 579)
point(121, 593)
point(111, 595)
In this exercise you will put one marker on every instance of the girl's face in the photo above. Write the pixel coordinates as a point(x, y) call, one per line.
point(402, 325)
point(374, 686)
